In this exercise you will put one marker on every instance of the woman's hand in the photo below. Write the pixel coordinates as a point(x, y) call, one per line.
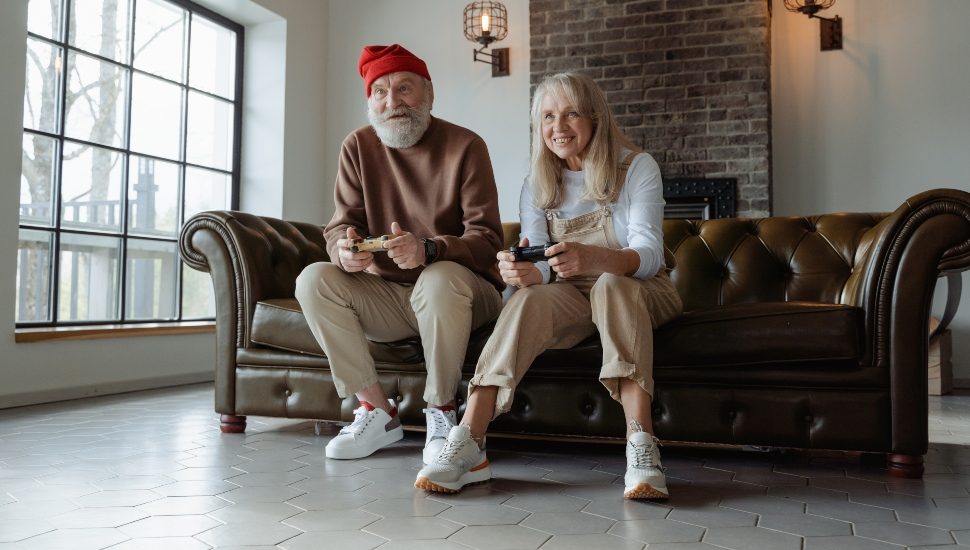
point(574, 259)
point(518, 274)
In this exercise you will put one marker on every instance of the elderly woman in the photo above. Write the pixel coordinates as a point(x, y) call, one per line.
point(594, 194)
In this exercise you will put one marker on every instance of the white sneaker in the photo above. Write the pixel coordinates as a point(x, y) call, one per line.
point(644, 474)
point(371, 429)
point(460, 462)
point(439, 424)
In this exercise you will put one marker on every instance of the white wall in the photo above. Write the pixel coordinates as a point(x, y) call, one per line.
point(465, 92)
point(864, 128)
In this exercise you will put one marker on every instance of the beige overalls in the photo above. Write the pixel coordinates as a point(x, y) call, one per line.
point(563, 313)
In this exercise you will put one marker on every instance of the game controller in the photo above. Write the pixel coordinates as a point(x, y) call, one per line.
point(370, 244)
point(530, 253)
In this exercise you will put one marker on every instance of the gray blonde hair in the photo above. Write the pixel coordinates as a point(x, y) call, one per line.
point(602, 161)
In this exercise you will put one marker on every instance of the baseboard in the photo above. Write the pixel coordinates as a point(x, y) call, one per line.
point(78, 392)
point(961, 383)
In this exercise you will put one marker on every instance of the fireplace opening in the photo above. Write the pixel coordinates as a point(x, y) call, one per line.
point(700, 198)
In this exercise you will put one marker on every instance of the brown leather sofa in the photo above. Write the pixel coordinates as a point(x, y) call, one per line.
point(802, 332)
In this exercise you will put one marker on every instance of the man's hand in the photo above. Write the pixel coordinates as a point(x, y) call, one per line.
point(351, 261)
point(518, 274)
point(404, 248)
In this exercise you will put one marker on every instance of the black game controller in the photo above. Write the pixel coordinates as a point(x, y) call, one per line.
point(530, 253)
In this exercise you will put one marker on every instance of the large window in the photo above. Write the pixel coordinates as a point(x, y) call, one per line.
point(131, 125)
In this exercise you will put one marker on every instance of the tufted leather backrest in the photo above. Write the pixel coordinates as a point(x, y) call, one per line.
point(735, 261)
point(779, 259)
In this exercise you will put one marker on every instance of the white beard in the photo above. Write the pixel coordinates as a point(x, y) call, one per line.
point(401, 133)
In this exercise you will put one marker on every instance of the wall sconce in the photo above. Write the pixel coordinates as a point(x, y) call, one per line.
point(829, 29)
point(487, 22)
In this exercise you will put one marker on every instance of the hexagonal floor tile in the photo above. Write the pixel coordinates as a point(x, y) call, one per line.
point(499, 537)
point(547, 503)
point(805, 525)
point(12, 530)
point(255, 512)
point(484, 515)
point(568, 523)
point(169, 526)
point(586, 542)
point(164, 543)
point(132, 497)
point(253, 533)
point(334, 520)
point(752, 538)
point(112, 516)
point(74, 539)
point(652, 531)
point(403, 528)
point(334, 540)
point(906, 534)
point(417, 505)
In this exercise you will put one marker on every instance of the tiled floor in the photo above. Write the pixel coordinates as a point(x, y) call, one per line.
point(151, 470)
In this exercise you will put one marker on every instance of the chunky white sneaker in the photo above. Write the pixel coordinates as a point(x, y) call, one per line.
point(460, 462)
point(371, 429)
point(439, 424)
point(644, 474)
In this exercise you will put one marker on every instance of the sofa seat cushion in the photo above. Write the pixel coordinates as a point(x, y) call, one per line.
point(798, 343)
point(768, 332)
point(280, 324)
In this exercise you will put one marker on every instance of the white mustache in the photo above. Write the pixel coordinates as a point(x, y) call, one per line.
point(387, 115)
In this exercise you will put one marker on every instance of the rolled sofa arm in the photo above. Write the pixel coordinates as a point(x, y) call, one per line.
point(250, 258)
point(897, 266)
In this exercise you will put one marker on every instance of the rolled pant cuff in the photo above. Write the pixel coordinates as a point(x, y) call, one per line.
point(438, 399)
point(611, 372)
point(503, 399)
point(344, 391)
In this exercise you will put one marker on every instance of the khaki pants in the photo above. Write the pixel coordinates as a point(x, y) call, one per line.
point(344, 310)
point(562, 314)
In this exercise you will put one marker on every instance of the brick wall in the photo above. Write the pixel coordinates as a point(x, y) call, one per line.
point(687, 79)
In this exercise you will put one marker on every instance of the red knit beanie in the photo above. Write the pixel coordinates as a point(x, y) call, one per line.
point(377, 61)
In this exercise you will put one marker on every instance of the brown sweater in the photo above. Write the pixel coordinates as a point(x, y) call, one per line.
point(442, 187)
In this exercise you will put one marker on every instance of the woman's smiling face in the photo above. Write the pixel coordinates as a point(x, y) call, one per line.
point(565, 132)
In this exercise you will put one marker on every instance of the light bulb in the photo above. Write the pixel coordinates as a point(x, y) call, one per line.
point(485, 22)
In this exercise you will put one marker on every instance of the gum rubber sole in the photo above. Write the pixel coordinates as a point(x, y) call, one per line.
point(645, 491)
point(428, 485)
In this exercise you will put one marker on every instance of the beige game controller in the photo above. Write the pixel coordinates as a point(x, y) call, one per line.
point(370, 244)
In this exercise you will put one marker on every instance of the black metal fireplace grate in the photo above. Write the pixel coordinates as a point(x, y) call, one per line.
point(700, 198)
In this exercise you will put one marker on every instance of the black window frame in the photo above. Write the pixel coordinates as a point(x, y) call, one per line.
point(56, 229)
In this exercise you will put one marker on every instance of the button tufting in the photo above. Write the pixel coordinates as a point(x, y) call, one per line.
point(287, 392)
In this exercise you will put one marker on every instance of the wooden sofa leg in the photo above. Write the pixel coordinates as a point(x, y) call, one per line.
point(231, 424)
point(905, 465)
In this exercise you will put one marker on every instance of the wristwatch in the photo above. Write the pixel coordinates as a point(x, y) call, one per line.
point(430, 250)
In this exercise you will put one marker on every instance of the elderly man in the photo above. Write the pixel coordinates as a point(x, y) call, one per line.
point(428, 185)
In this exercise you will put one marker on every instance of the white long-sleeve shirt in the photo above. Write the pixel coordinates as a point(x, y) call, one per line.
point(637, 214)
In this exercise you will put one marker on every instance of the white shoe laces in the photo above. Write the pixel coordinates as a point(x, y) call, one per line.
point(361, 420)
point(439, 424)
point(643, 455)
point(448, 452)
